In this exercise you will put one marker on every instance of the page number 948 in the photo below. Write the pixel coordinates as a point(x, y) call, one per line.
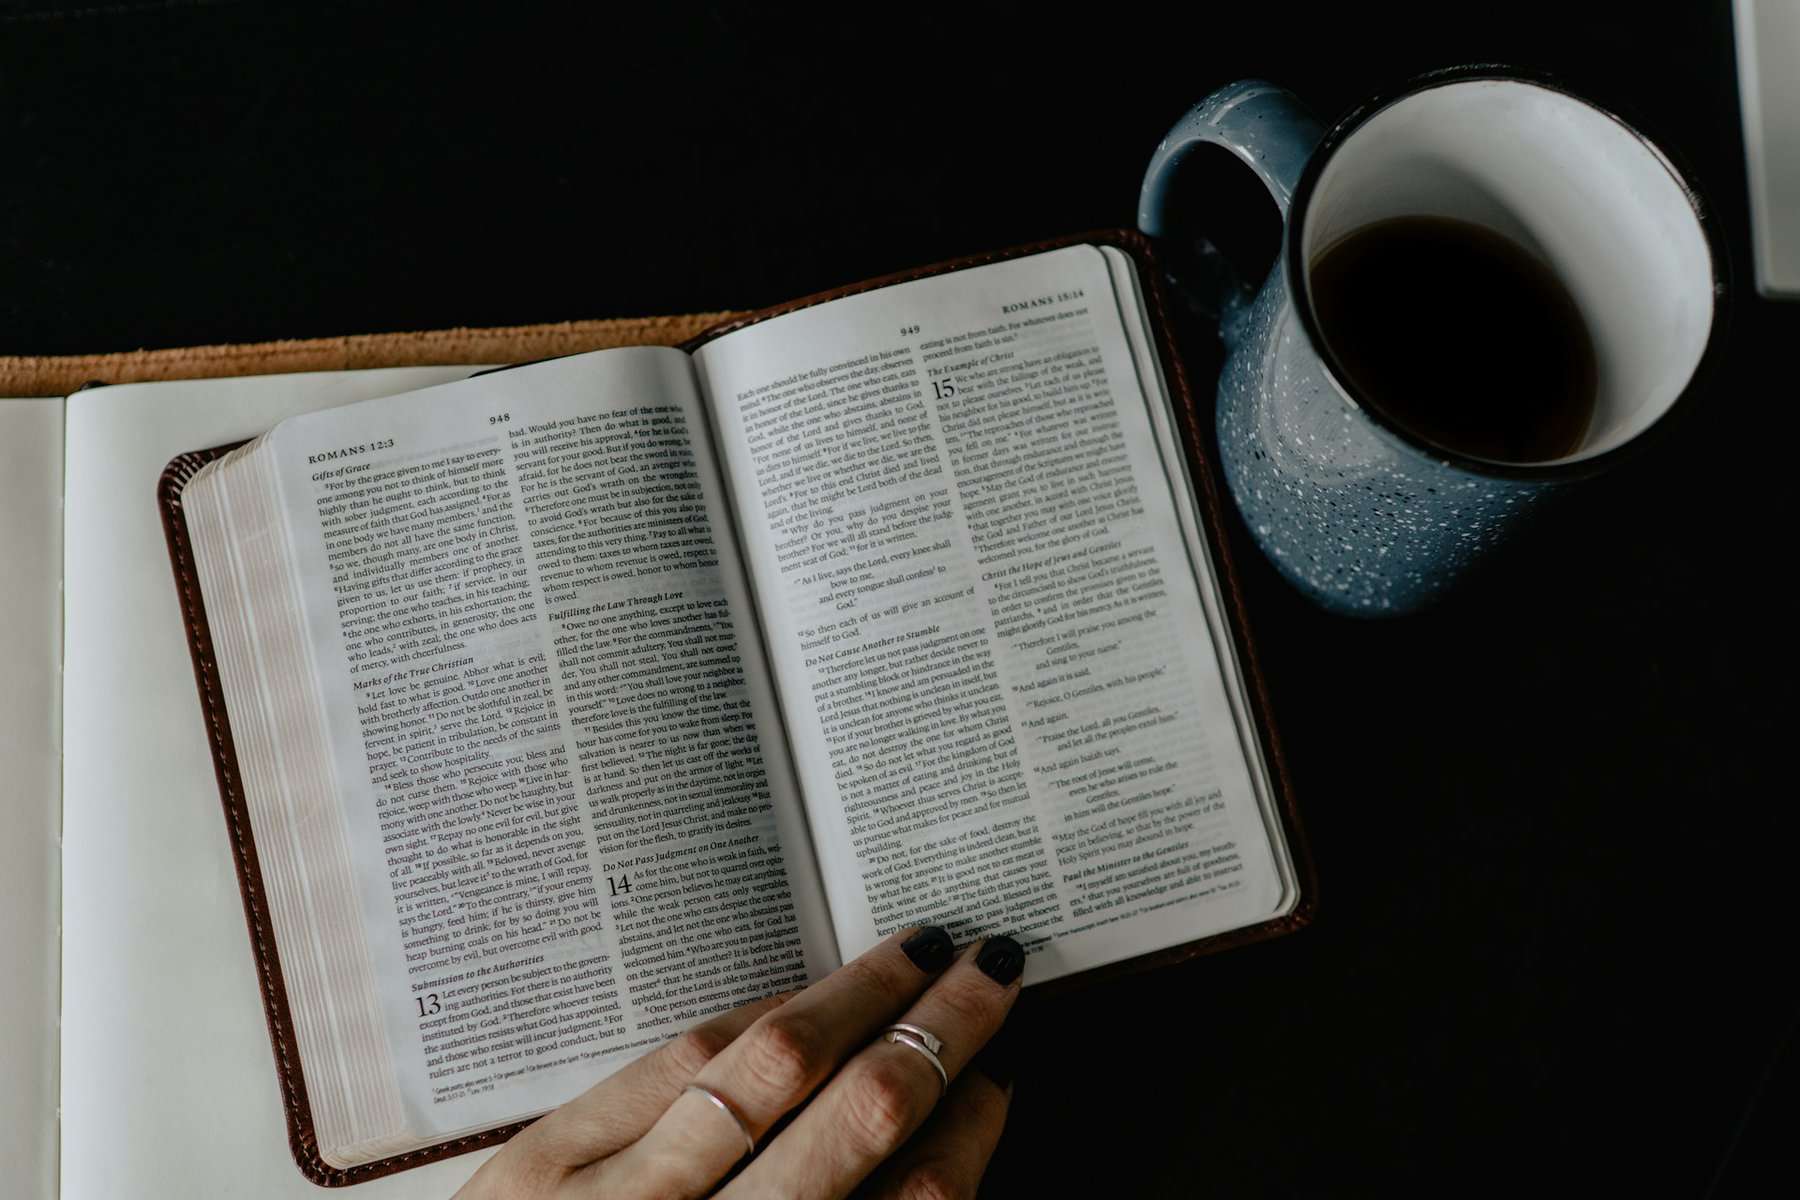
point(500, 418)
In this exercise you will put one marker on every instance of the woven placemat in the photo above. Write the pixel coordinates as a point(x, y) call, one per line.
point(58, 375)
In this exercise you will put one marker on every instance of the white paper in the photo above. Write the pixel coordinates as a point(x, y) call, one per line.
point(30, 646)
point(168, 1082)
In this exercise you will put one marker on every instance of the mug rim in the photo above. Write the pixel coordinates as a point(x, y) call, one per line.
point(1298, 283)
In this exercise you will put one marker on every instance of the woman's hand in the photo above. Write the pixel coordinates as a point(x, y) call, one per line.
point(848, 1108)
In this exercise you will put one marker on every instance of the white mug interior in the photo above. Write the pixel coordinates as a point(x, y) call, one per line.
point(1565, 181)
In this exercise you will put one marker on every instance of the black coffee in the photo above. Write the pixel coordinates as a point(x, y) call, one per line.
point(1460, 336)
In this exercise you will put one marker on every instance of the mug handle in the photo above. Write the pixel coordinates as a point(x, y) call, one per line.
point(1270, 131)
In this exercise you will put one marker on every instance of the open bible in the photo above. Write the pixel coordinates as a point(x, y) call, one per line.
point(560, 707)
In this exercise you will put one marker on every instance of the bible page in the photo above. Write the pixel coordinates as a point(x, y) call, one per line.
point(567, 795)
point(988, 635)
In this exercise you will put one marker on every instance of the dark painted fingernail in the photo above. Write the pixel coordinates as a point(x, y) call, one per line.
point(930, 949)
point(997, 1059)
point(1001, 959)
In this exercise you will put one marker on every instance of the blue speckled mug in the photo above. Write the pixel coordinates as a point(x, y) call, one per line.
point(1362, 514)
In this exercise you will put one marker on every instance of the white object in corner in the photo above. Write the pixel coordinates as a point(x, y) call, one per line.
point(1768, 58)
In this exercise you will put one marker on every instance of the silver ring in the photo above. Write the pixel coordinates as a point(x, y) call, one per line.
point(932, 1042)
point(719, 1103)
point(900, 1037)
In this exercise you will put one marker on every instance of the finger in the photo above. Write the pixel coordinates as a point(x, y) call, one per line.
point(948, 1157)
point(884, 1094)
point(774, 1066)
point(619, 1109)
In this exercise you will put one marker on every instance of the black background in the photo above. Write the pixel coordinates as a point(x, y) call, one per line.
point(1556, 916)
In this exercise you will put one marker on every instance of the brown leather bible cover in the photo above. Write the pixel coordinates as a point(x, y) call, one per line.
point(1190, 416)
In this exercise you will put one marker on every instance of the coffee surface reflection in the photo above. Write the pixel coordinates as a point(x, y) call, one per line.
point(1460, 336)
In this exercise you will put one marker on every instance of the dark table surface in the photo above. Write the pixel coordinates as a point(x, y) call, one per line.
point(1556, 923)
